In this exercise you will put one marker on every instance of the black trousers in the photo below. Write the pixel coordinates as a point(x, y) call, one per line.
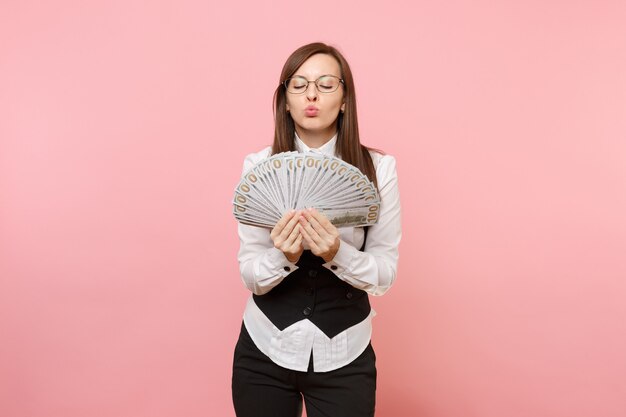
point(263, 389)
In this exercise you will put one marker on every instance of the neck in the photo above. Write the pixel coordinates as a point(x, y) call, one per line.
point(316, 139)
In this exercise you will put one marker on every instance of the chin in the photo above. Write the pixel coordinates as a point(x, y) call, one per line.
point(315, 125)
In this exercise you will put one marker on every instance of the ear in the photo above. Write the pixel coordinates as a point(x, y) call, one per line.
point(287, 107)
point(343, 107)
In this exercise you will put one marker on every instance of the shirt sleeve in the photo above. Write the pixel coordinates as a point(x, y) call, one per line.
point(261, 265)
point(374, 269)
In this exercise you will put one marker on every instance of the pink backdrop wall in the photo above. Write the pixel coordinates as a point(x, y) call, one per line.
point(123, 127)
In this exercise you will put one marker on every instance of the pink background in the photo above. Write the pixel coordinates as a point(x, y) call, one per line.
point(123, 127)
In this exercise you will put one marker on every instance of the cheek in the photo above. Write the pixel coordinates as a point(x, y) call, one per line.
point(337, 103)
point(335, 106)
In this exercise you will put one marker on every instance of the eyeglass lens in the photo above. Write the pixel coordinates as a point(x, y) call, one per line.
point(324, 84)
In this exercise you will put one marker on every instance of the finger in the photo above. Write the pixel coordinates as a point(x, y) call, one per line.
point(310, 241)
point(288, 229)
point(280, 225)
point(315, 224)
point(323, 220)
point(293, 236)
point(297, 244)
point(311, 232)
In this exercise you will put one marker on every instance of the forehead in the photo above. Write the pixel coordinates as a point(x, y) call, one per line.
point(319, 64)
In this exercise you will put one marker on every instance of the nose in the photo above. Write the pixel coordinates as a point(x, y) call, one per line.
point(311, 91)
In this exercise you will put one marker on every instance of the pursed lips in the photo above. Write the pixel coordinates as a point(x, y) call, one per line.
point(311, 111)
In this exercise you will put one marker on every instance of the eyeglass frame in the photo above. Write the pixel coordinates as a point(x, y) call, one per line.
point(341, 82)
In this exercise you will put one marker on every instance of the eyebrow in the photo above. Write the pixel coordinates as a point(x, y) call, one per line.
point(323, 75)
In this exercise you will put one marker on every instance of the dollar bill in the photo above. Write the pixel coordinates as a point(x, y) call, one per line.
point(293, 180)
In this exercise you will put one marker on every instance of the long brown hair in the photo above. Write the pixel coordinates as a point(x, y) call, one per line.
point(348, 146)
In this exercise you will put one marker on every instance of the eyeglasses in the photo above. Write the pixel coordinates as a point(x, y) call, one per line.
point(324, 84)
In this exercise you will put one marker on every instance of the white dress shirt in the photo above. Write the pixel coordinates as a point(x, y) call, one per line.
point(373, 270)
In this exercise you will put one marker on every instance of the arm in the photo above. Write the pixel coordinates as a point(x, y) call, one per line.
point(262, 266)
point(261, 263)
point(374, 269)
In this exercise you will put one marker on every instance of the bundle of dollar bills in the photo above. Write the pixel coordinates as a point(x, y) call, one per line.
point(295, 180)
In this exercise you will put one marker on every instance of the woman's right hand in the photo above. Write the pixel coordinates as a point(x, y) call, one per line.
point(287, 237)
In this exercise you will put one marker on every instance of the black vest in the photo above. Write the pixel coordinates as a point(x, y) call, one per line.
point(315, 293)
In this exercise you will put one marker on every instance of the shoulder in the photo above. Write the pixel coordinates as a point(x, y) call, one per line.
point(384, 164)
point(255, 157)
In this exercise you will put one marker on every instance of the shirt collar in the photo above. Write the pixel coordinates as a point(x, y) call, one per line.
point(328, 148)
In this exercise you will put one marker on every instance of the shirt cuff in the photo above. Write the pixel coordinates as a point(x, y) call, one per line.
point(278, 258)
point(343, 258)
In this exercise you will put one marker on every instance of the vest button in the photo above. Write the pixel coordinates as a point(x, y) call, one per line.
point(309, 291)
point(312, 273)
point(349, 295)
point(307, 311)
point(333, 267)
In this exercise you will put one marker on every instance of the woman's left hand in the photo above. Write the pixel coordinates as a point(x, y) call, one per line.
point(321, 235)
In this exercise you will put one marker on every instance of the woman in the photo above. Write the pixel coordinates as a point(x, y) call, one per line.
point(307, 326)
